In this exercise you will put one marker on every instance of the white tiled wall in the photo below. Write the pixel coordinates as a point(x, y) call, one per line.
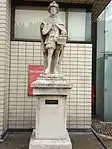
point(76, 66)
point(4, 62)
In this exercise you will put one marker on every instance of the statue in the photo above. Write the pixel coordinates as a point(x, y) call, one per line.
point(53, 40)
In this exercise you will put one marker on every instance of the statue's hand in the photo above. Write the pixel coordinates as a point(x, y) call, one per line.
point(63, 33)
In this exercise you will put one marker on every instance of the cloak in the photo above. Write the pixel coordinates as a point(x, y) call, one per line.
point(48, 22)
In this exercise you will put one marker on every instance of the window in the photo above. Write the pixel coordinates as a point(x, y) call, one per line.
point(108, 28)
point(76, 24)
point(88, 27)
point(79, 25)
point(27, 23)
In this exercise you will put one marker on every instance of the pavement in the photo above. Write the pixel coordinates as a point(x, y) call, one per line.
point(20, 140)
point(107, 142)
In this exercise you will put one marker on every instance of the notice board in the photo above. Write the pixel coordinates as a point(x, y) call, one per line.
point(34, 72)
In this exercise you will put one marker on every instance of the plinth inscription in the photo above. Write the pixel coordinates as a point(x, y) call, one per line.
point(51, 102)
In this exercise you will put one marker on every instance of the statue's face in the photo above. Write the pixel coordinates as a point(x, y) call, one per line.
point(53, 10)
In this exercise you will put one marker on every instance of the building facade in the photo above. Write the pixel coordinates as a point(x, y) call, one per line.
point(20, 47)
point(104, 60)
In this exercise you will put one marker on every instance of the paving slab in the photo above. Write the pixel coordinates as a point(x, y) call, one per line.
point(16, 141)
point(79, 141)
point(85, 142)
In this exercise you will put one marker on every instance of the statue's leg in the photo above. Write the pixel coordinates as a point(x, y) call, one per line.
point(57, 52)
point(45, 59)
point(49, 59)
point(60, 57)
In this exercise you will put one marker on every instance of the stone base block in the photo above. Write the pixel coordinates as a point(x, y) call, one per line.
point(50, 144)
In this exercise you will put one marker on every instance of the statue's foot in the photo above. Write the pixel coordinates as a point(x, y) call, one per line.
point(47, 71)
point(56, 72)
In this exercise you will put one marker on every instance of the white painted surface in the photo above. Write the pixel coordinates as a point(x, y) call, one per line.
point(51, 118)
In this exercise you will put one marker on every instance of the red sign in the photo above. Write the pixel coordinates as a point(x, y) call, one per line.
point(34, 72)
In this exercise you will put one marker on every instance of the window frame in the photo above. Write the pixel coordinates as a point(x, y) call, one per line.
point(41, 5)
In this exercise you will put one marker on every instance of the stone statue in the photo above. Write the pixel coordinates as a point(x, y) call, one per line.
point(53, 40)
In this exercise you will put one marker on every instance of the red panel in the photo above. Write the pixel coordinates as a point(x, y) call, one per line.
point(34, 72)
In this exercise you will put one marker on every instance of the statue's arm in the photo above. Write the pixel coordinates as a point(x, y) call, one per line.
point(42, 37)
point(63, 33)
point(62, 29)
point(41, 25)
point(45, 27)
point(42, 28)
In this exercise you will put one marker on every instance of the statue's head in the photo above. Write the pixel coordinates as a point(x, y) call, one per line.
point(53, 8)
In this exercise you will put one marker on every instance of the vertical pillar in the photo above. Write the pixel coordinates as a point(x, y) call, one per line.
point(5, 10)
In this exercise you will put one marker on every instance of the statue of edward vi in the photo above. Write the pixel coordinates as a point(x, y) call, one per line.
point(53, 40)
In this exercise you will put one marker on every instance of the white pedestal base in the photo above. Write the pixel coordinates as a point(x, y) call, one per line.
point(50, 144)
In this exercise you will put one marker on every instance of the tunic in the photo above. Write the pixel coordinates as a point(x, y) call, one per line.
point(51, 31)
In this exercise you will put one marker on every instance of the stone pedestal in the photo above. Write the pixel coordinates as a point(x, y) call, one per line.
point(50, 143)
point(50, 131)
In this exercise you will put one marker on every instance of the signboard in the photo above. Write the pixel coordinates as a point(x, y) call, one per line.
point(34, 72)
